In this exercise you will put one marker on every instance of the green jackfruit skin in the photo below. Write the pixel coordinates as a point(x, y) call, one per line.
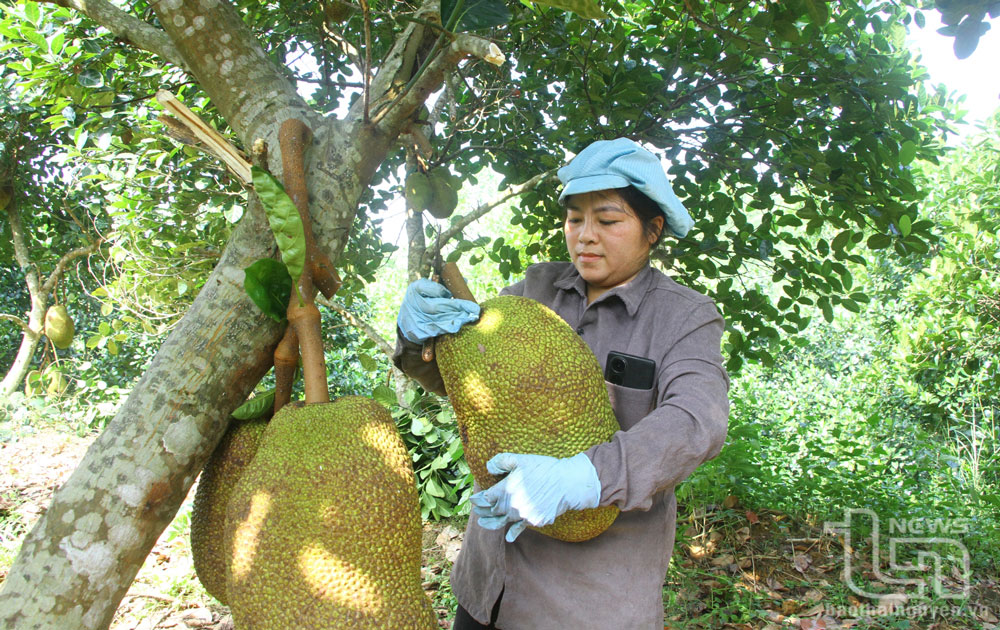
point(325, 525)
point(59, 326)
point(418, 191)
point(522, 381)
point(233, 454)
point(445, 197)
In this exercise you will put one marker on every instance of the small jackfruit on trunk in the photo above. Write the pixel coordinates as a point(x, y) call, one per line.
point(231, 457)
point(522, 381)
point(325, 524)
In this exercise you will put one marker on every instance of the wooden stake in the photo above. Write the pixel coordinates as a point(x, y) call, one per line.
point(453, 280)
point(214, 142)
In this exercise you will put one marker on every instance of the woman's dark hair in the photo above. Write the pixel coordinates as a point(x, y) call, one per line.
point(645, 208)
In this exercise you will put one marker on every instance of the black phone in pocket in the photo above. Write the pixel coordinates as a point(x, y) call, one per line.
point(630, 371)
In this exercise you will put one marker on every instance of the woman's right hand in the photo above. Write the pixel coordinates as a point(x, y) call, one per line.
point(428, 310)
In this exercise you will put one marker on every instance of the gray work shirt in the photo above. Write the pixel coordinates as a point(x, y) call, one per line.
point(614, 580)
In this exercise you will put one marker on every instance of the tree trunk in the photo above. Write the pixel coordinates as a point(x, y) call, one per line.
point(80, 558)
point(26, 351)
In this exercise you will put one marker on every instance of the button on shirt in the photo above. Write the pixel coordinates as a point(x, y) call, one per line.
point(614, 580)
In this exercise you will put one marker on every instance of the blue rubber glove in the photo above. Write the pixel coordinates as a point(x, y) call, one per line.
point(428, 310)
point(535, 491)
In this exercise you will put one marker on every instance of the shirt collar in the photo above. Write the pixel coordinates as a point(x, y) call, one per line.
point(630, 294)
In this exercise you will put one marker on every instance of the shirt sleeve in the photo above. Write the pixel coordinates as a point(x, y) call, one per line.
point(515, 289)
point(687, 427)
point(408, 357)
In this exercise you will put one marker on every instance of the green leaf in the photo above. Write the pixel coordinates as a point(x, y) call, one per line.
point(904, 225)
point(851, 305)
point(818, 12)
point(269, 285)
point(367, 363)
point(90, 79)
point(584, 8)
point(475, 14)
point(31, 12)
point(56, 43)
point(879, 241)
point(384, 395)
point(907, 151)
point(80, 138)
point(255, 407)
point(432, 488)
point(285, 222)
point(419, 426)
point(786, 30)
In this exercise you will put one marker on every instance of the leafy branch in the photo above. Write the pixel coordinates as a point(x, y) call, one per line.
point(127, 27)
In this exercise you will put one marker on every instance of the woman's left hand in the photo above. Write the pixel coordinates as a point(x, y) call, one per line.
point(535, 491)
point(429, 310)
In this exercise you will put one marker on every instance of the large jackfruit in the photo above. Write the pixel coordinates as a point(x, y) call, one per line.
point(233, 454)
point(522, 381)
point(325, 525)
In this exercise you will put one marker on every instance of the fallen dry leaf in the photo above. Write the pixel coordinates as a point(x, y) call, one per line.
point(723, 560)
point(742, 535)
point(987, 616)
point(813, 611)
point(775, 584)
point(887, 604)
point(801, 562)
point(450, 541)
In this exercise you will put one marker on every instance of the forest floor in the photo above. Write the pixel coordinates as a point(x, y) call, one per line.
point(732, 567)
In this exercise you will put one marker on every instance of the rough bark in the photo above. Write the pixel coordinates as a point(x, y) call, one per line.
point(82, 555)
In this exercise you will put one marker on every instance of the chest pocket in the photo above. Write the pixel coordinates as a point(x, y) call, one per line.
point(630, 405)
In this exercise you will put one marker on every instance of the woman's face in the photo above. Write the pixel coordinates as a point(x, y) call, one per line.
point(605, 240)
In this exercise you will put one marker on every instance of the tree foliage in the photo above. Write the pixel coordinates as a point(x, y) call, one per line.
point(773, 117)
point(950, 336)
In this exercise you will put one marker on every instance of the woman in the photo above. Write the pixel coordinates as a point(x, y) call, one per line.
point(618, 202)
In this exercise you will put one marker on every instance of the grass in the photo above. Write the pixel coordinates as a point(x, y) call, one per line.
point(735, 567)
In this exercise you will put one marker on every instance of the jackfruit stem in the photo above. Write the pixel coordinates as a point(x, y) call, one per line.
point(306, 321)
point(293, 138)
point(286, 359)
point(452, 278)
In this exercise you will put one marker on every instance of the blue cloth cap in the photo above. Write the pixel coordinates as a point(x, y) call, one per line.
point(618, 163)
